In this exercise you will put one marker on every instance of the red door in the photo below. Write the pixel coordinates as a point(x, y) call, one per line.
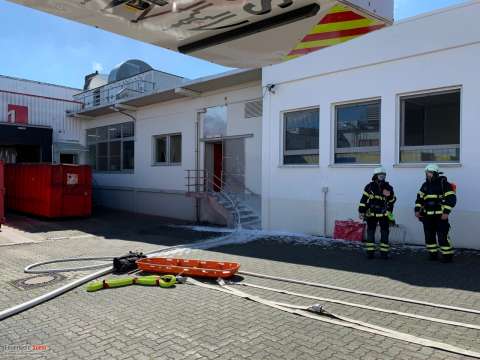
point(217, 166)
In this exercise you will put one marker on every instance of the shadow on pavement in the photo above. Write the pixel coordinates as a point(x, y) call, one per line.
point(113, 225)
point(407, 265)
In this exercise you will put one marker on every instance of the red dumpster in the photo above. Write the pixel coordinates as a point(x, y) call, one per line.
point(52, 191)
point(2, 191)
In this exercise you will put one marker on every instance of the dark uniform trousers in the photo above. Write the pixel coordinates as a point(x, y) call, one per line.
point(436, 228)
point(384, 223)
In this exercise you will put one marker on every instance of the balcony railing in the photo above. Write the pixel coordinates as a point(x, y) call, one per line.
point(113, 93)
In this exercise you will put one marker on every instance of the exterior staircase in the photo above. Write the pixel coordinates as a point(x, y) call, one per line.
point(248, 217)
point(240, 209)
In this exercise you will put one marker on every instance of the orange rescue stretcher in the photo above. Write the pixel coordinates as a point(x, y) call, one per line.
point(189, 267)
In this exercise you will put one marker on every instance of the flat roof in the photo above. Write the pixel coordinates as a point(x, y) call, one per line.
point(39, 82)
point(201, 85)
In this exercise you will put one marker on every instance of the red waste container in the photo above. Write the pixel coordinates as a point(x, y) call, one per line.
point(52, 191)
point(2, 192)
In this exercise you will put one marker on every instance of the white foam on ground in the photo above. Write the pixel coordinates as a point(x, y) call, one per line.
point(233, 237)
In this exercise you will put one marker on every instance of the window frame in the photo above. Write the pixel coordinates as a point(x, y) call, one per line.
point(168, 150)
point(400, 138)
point(297, 152)
point(363, 149)
point(108, 141)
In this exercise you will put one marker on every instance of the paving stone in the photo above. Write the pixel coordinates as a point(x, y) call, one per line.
point(188, 322)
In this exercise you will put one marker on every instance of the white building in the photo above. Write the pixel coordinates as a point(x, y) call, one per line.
point(402, 97)
point(34, 122)
point(150, 134)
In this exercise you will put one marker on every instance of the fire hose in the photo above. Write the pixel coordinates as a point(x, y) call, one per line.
point(316, 312)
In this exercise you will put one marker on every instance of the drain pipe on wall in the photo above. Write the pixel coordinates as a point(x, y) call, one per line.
point(197, 161)
point(325, 191)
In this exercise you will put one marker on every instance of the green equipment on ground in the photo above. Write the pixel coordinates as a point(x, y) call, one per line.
point(164, 281)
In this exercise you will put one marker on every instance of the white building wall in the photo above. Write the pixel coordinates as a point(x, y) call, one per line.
point(431, 52)
point(160, 189)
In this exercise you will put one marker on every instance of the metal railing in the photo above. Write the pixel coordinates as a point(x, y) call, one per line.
point(201, 181)
point(112, 93)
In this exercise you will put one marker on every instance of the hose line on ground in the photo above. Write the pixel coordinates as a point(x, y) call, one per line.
point(316, 312)
point(106, 269)
point(361, 292)
point(29, 268)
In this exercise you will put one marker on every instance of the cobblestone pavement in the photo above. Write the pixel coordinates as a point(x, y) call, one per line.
point(188, 322)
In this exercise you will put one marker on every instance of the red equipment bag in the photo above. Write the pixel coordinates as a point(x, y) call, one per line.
point(349, 230)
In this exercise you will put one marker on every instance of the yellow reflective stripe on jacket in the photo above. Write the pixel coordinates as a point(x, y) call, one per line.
point(421, 194)
point(432, 197)
point(448, 193)
point(434, 212)
point(418, 205)
point(370, 196)
point(447, 207)
point(362, 205)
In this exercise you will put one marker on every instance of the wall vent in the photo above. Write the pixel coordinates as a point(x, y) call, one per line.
point(253, 109)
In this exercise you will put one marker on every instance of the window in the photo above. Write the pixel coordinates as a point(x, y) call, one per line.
point(111, 148)
point(430, 127)
point(300, 137)
point(167, 149)
point(215, 122)
point(357, 133)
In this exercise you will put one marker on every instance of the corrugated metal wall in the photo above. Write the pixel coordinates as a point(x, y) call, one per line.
point(47, 106)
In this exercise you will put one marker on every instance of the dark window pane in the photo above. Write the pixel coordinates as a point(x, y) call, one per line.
point(115, 153)
point(91, 136)
point(92, 156)
point(114, 131)
point(301, 130)
point(358, 125)
point(300, 159)
point(103, 149)
point(102, 134)
point(176, 148)
point(128, 155)
point(431, 120)
point(161, 149)
point(128, 129)
point(102, 156)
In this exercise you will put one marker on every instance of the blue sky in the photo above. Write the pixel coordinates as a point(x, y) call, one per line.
point(43, 47)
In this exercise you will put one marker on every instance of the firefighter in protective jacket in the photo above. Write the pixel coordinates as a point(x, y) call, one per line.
point(435, 201)
point(376, 207)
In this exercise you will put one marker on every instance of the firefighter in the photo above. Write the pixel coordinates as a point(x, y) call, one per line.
point(435, 201)
point(376, 207)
